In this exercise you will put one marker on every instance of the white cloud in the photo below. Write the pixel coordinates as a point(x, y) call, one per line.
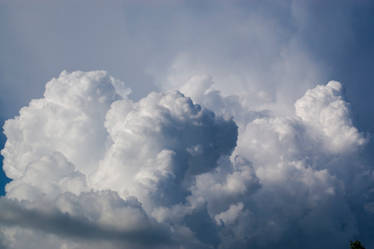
point(253, 160)
point(93, 168)
point(324, 109)
point(86, 135)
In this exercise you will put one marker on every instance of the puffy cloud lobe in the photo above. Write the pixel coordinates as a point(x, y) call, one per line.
point(68, 120)
point(324, 109)
point(201, 88)
point(48, 176)
point(92, 168)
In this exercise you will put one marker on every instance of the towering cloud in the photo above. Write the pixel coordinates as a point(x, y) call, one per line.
point(193, 168)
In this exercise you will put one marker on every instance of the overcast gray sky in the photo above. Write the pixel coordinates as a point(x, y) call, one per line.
point(301, 43)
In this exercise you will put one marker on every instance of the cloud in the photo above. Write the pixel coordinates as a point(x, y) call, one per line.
point(86, 135)
point(225, 140)
point(92, 168)
point(85, 228)
point(324, 109)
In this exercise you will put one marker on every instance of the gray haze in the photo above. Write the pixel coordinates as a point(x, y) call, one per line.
point(283, 47)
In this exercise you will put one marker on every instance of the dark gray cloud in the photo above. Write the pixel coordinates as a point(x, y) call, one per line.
point(15, 213)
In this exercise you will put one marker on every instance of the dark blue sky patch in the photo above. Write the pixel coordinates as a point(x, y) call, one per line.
point(3, 179)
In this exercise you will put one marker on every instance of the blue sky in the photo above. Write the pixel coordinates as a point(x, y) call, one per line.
point(3, 179)
point(265, 64)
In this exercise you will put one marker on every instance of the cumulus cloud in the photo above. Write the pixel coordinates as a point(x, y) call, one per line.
point(88, 218)
point(86, 135)
point(187, 168)
point(161, 143)
point(323, 106)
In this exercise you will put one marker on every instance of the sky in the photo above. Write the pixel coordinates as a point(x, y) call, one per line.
point(186, 124)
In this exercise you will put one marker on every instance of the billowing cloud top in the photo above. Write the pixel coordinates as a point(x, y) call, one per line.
point(193, 168)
